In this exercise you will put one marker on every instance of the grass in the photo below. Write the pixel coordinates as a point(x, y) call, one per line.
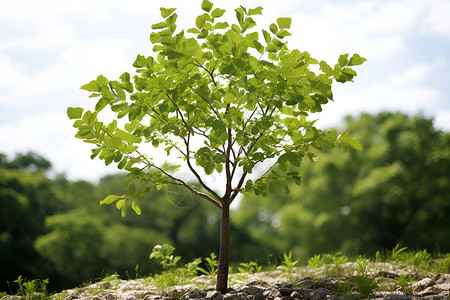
point(353, 276)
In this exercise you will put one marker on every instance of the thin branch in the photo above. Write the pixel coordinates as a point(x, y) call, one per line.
point(209, 72)
point(195, 172)
point(206, 100)
point(227, 169)
point(192, 190)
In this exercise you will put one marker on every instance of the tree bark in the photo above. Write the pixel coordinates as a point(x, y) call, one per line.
point(224, 251)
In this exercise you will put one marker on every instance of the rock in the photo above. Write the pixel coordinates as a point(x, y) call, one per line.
point(235, 296)
point(319, 294)
point(395, 296)
point(421, 285)
point(212, 294)
point(442, 278)
point(196, 294)
point(330, 283)
point(305, 283)
point(252, 290)
point(296, 295)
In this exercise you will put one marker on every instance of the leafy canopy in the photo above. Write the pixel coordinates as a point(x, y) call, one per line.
point(223, 97)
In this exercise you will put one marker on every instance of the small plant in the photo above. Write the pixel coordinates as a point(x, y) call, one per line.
point(249, 268)
point(442, 264)
point(193, 266)
point(405, 282)
point(35, 289)
point(364, 285)
point(362, 267)
point(315, 262)
point(245, 269)
point(397, 253)
point(343, 287)
point(287, 265)
point(164, 253)
point(211, 265)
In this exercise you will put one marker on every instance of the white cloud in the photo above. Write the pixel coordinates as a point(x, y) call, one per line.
point(437, 19)
point(52, 136)
point(405, 91)
point(442, 120)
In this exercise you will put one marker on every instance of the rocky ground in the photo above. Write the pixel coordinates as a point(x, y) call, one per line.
point(381, 281)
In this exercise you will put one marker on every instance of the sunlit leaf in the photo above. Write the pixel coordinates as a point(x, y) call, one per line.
point(74, 112)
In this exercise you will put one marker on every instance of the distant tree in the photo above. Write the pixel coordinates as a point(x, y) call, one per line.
point(395, 191)
point(25, 199)
point(29, 162)
point(225, 101)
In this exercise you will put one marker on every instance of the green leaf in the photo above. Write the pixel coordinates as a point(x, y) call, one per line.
point(120, 203)
point(283, 33)
point(101, 104)
point(274, 28)
point(110, 199)
point(216, 13)
point(159, 25)
point(207, 6)
point(356, 60)
point(255, 11)
point(201, 20)
point(221, 25)
point(193, 30)
point(284, 23)
point(123, 211)
point(326, 68)
point(74, 112)
point(165, 12)
point(91, 86)
point(343, 60)
point(140, 61)
point(136, 208)
point(267, 37)
point(355, 144)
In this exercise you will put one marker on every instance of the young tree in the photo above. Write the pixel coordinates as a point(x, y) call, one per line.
point(225, 99)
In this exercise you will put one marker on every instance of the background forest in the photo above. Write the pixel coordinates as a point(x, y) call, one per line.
point(395, 191)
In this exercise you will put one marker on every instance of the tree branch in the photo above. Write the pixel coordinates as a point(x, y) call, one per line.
point(195, 172)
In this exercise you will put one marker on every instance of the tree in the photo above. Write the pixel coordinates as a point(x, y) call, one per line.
point(396, 191)
point(225, 101)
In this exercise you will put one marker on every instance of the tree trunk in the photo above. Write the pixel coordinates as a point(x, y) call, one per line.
point(224, 251)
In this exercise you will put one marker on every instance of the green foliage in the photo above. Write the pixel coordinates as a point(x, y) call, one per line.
point(250, 267)
point(33, 289)
point(220, 96)
point(205, 84)
point(364, 285)
point(319, 260)
point(287, 265)
point(210, 265)
point(372, 199)
point(165, 254)
point(405, 282)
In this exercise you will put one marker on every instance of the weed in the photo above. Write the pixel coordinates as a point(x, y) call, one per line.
point(442, 264)
point(396, 254)
point(405, 282)
point(164, 253)
point(34, 289)
point(331, 261)
point(343, 287)
point(245, 269)
point(210, 266)
point(315, 262)
point(249, 268)
point(287, 265)
point(362, 266)
point(364, 285)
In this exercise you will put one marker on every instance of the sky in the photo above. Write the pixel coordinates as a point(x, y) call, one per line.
point(48, 49)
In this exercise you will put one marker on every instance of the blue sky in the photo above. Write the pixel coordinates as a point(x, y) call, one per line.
point(48, 49)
